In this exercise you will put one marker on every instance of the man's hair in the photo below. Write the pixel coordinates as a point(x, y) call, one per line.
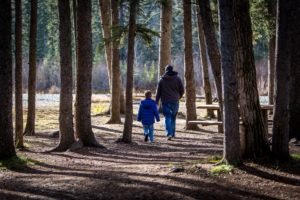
point(169, 68)
point(148, 94)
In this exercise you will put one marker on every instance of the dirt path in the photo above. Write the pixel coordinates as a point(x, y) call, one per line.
point(142, 170)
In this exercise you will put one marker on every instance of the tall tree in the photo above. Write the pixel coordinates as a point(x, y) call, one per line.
point(272, 45)
point(66, 130)
point(30, 125)
point(127, 132)
point(294, 101)
point(280, 138)
point(232, 152)
point(165, 35)
point(106, 23)
point(204, 64)
point(189, 66)
point(75, 56)
point(84, 74)
point(115, 116)
point(7, 149)
point(105, 13)
point(255, 129)
point(18, 77)
point(212, 45)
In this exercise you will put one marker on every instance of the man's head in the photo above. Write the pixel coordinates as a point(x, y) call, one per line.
point(148, 94)
point(169, 68)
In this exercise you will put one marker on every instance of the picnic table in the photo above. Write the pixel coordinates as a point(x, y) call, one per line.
point(264, 108)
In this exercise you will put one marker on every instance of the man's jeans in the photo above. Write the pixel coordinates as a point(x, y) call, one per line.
point(148, 130)
point(170, 110)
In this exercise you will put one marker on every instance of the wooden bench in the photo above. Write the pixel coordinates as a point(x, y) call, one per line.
point(219, 123)
point(207, 122)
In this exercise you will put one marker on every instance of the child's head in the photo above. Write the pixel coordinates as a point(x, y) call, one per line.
point(148, 94)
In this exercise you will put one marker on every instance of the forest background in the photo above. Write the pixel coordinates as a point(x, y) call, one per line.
point(146, 48)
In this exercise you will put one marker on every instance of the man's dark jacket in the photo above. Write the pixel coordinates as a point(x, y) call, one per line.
point(170, 88)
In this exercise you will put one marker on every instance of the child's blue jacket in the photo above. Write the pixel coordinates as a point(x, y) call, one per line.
point(147, 112)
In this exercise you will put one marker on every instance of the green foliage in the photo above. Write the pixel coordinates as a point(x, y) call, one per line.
point(262, 27)
point(17, 163)
point(296, 156)
point(97, 38)
point(221, 169)
point(146, 34)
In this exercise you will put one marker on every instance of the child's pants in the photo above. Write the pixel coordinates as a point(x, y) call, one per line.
point(148, 130)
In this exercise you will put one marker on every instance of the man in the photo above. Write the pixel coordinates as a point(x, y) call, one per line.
point(169, 90)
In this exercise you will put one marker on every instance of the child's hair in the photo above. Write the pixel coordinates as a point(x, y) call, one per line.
point(148, 94)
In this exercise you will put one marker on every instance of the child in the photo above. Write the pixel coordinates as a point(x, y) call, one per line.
point(147, 112)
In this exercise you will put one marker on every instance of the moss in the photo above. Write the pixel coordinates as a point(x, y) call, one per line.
point(222, 169)
point(17, 163)
point(296, 157)
point(215, 159)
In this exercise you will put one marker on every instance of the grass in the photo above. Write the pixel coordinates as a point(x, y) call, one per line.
point(17, 163)
point(222, 169)
point(99, 108)
point(296, 157)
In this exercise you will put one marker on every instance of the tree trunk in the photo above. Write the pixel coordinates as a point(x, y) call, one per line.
point(84, 74)
point(75, 56)
point(18, 77)
point(165, 35)
point(280, 147)
point(189, 66)
point(7, 149)
point(212, 45)
point(204, 64)
point(255, 129)
point(271, 69)
point(272, 45)
point(115, 116)
point(127, 132)
point(30, 125)
point(232, 151)
point(294, 103)
point(65, 107)
point(106, 23)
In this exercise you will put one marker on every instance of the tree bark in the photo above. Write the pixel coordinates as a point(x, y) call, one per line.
point(271, 69)
point(280, 147)
point(18, 77)
point(66, 130)
point(212, 45)
point(232, 151)
point(255, 129)
point(115, 117)
point(127, 132)
point(106, 23)
point(272, 45)
point(294, 101)
point(7, 149)
point(30, 125)
point(165, 35)
point(189, 66)
point(84, 74)
point(204, 64)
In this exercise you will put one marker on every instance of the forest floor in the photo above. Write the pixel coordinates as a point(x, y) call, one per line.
point(176, 169)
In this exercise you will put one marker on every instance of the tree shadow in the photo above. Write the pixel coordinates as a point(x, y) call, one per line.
point(110, 184)
point(270, 176)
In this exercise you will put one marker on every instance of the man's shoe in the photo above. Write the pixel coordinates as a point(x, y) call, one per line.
point(169, 137)
point(146, 138)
